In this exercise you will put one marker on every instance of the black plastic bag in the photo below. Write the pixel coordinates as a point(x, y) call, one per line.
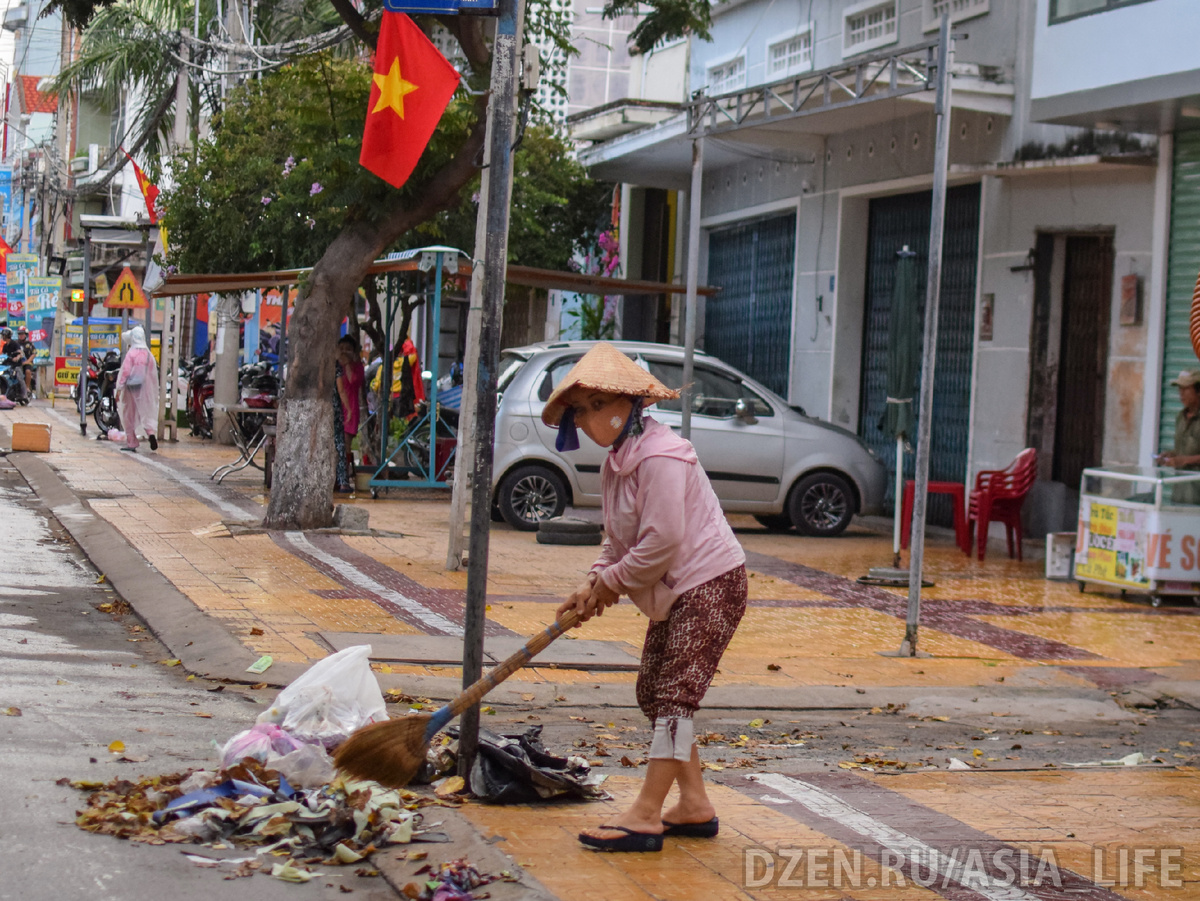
point(517, 769)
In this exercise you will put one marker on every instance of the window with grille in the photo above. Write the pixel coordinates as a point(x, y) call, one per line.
point(789, 56)
point(730, 76)
point(958, 10)
point(867, 27)
point(1063, 10)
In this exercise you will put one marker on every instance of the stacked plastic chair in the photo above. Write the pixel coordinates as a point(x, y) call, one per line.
point(998, 496)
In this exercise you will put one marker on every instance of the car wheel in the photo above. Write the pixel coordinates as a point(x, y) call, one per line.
point(530, 494)
point(822, 505)
point(776, 522)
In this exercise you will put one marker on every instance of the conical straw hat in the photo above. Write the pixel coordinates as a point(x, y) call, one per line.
point(604, 368)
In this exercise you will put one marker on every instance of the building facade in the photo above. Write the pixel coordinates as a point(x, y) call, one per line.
point(1051, 280)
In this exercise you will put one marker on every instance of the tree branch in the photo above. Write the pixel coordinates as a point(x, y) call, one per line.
point(354, 19)
point(468, 30)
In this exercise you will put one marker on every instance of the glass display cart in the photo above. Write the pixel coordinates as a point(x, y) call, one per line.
point(1139, 531)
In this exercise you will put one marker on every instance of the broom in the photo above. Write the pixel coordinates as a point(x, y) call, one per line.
point(390, 752)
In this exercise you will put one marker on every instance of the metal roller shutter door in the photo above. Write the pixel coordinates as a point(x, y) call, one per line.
point(1182, 266)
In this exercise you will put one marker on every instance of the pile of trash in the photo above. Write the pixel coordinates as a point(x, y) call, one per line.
point(277, 791)
point(276, 788)
point(250, 805)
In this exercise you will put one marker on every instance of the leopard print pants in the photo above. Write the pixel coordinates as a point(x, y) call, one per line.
point(681, 655)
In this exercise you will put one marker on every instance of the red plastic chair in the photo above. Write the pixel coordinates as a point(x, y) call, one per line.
point(998, 496)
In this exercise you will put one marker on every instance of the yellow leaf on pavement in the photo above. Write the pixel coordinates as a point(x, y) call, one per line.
point(171, 662)
point(450, 786)
point(117, 747)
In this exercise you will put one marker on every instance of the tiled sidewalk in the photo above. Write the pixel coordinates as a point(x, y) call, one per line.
point(837, 836)
point(808, 624)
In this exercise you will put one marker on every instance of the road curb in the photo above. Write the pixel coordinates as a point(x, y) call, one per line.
point(203, 646)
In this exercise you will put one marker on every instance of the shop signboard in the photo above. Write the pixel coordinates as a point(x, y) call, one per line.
point(20, 266)
point(41, 307)
point(103, 335)
point(1133, 544)
point(66, 372)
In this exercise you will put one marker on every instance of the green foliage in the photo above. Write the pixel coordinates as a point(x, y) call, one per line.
point(594, 322)
point(666, 20)
point(312, 112)
point(239, 206)
point(556, 208)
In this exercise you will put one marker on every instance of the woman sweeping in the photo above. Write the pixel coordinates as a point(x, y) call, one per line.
point(137, 390)
point(670, 550)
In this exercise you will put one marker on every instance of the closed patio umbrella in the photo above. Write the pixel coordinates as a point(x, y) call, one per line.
point(900, 418)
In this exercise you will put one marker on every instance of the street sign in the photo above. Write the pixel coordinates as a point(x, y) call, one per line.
point(441, 7)
point(126, 294)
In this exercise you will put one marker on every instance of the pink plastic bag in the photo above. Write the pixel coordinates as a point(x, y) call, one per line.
point(258, 742)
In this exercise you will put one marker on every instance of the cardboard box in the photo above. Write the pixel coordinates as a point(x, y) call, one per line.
point(31, 436)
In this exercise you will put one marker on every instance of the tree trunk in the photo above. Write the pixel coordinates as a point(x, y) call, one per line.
point(302, 482)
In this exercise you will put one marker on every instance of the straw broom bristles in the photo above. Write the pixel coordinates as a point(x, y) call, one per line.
point(389, 752)
point(392, 751)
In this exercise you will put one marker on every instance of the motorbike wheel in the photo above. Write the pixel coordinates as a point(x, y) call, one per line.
point(107, 419)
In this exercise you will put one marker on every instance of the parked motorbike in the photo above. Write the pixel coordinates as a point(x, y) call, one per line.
point(106, 414)
point(200, 396)
point(93, 385)
point(259, 388)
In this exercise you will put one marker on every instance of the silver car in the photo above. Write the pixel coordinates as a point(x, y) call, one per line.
point(763, 456)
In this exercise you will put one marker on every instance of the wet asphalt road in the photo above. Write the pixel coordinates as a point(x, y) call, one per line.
point(80, 679)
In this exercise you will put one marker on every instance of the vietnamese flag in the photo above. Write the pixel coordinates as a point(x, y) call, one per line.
point(5, 250)
point(149, 189)
point(413, 82)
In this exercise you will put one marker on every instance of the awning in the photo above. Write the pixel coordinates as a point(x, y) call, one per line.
point(526, 276)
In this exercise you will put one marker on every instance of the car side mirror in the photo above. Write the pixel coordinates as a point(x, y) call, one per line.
point(744, 411)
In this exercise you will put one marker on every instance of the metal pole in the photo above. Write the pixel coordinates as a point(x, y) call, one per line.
point(83, 339)
point(693, 282)
point(898, 505)
point(150, 308)
point(433, 352)
point(505, 54)
point(937, 222)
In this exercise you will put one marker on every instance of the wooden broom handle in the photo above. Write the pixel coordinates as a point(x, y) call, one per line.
point(538, 643)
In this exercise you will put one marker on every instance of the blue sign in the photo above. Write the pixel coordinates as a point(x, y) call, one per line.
point(5, 200)
point(441, 7)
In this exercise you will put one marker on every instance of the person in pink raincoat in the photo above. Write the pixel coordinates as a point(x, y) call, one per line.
point(137, 390)
point(669, 549)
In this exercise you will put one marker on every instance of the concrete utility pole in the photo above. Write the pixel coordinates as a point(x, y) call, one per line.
point(693, 284)
point(505, 75)
point(225, 370)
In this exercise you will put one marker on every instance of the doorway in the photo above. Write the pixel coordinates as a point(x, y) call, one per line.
point(1069, 353)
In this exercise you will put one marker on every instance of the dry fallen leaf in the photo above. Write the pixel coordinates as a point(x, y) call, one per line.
point(452, 785)
point(774, 667)
point(256, 631)
point(171, 662)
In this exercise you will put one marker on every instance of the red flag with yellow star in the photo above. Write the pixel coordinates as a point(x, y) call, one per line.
point(5, 250)
point(413, 82)
point(149, 189)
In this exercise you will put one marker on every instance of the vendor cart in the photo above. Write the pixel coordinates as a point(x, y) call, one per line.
point(1139, 531)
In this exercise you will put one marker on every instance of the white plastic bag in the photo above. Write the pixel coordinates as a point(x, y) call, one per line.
point(306, 767)
point(330, 700)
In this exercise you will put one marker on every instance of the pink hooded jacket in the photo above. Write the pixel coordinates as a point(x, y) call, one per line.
point(665, 532)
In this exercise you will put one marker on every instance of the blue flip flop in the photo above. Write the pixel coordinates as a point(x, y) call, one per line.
point(630, 841)
point(707, 829)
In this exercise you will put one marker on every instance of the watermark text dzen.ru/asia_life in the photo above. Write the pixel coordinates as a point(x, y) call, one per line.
point(928, 867)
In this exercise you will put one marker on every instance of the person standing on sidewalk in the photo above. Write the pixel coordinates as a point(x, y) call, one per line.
point(137, 390)
point(669, 549)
